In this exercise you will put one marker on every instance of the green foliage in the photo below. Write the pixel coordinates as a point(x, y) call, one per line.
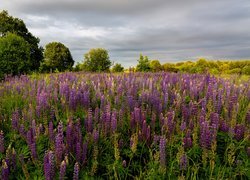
point(143, 64)
point(14, 55)
point(213, 67)
point(155, 65)
point(17, 26)
point(57, 57)
point(117, 68)
point(96, 60)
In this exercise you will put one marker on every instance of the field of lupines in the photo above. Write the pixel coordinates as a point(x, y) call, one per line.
point(124, 126)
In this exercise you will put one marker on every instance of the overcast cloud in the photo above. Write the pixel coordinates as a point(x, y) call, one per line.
point(168, 30)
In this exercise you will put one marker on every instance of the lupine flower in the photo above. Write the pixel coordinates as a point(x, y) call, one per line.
point(206, 135)
point(48, 165)
point(1, 142)
point(183, 126)
point(51, 131)
point(15, 120)
point(162, 151)
point(239, 132)
point(84, 152)
point(224, 127)
point(59, 143)
point(62, 170)
point(96, 136)
point(187, 141)
point(183, 162)
point(78, 151)
point(113, 122)
point(5, 170)
point(76, 171)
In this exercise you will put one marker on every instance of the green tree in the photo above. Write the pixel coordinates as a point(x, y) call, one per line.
point(117, 68)
point(246, 70)
point(169, 67)
point(96, 60)
point(143, 64)
point(14, 55)
point(57, 56)
point(17, 26)
point(155, 65)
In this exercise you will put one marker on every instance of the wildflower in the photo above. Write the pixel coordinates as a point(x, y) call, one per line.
point(62, 170)
point(1, 142)
point(162, 147)
point(76, 171)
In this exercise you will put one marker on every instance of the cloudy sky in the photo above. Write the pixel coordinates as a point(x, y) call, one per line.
point(168, 30)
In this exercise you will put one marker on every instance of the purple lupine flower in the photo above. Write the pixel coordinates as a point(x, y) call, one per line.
point(89, 121)
point(48, 165)
point(15, 120)
point(22, 131)
point(187, 141)
point(113, 121)
point(96, 136)
point(162, 147)
point(5, 171)
point(76, 171)
point(207, 134)
point(148, 134)
point(2, 142)
point(239, 131)
point(13, 158)
point(78, 152)
point(224, 127)
point(183, 126)
point(59, 143)
point(214, 119)
point(183, 162)
point(33, 127)
point(84, 152)
point(62, 170)
point(51, 131)
point(144, 129)
point(156, 139)
point(69, 135)
point(33, 150)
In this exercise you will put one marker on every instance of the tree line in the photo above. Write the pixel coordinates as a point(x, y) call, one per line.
point(20, 53)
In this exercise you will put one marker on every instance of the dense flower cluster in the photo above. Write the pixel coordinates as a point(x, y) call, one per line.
point(75, 125)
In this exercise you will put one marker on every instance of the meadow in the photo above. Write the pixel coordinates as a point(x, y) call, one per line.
point(125, 126)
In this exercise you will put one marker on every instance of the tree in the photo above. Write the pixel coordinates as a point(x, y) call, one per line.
point(155, 65)
point(117, 68)
point(143, 64)
point(14, 55)
point(96, 60)
point(57, 56)
point(17, 26)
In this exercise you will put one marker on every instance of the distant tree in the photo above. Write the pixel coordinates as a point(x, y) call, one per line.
point(117, 68)
point(143, 64)
point(57, 57)
point(169, 67)
point(96, 60)
point(155, 66)
point(246, 70)
point(17, 26)
point(14, 55)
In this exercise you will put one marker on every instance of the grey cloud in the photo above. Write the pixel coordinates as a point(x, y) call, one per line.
point(169, 30)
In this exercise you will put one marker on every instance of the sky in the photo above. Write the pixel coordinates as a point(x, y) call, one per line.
point(167, 30)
